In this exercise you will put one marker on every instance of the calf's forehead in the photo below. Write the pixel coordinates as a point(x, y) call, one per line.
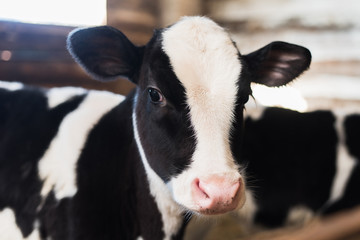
point(206, 62)
point(201, 54)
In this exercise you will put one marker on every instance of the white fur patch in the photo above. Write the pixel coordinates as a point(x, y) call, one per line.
point(206, 62)
point(11, 86)
point(57, 168)
point(345, 163)
point(57, 96)
point(299, 215)
point(9, 229)
point(170, 211)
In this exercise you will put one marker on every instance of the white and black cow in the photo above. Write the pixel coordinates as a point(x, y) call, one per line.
point(78, 164)
point(301, 164)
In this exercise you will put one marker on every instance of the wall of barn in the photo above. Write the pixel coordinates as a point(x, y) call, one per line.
point(329, 28)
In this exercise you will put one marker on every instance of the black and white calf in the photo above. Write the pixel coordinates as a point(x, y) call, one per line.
point(301, 164)
point(78, 164)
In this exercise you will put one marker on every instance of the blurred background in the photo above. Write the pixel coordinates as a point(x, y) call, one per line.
point(33, 33)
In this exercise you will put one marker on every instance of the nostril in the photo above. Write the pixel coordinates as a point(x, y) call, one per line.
point(198, 189)
point(202, 188)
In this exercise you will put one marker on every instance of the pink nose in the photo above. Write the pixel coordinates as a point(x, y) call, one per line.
point(216, 194)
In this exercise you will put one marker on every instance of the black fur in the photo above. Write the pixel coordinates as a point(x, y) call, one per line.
point(166, 125)
point(24, 115)
point(351, 195)
point(291, 161)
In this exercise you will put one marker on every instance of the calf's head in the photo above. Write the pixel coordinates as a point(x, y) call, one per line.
point(192, 84)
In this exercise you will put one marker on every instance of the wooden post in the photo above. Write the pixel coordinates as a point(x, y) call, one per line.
point(172, 10)
point(136, 18)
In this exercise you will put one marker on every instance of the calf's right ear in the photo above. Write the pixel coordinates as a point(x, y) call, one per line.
point(105, 52)
point(278, 63)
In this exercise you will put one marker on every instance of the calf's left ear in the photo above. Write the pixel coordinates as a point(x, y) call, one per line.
point(277, 63)
point(105, 52)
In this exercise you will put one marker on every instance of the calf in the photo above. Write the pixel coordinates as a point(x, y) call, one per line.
point(78, 164)
point(301, 163)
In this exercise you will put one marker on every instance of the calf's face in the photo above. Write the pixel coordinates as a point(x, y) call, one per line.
point(187, 118)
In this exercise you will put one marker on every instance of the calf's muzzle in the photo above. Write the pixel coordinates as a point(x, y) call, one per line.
point(217, 194)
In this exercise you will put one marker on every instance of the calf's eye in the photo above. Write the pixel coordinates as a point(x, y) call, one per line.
point(155, 95)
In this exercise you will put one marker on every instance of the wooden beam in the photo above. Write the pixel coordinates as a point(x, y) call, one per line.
point(36, 55)
point(25, 36)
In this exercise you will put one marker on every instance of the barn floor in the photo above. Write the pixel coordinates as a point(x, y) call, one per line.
point(343, 226)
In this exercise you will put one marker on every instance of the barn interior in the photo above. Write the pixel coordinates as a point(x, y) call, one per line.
point(33, 51)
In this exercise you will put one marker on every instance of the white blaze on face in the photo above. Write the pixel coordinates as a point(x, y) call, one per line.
point(206, 62)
